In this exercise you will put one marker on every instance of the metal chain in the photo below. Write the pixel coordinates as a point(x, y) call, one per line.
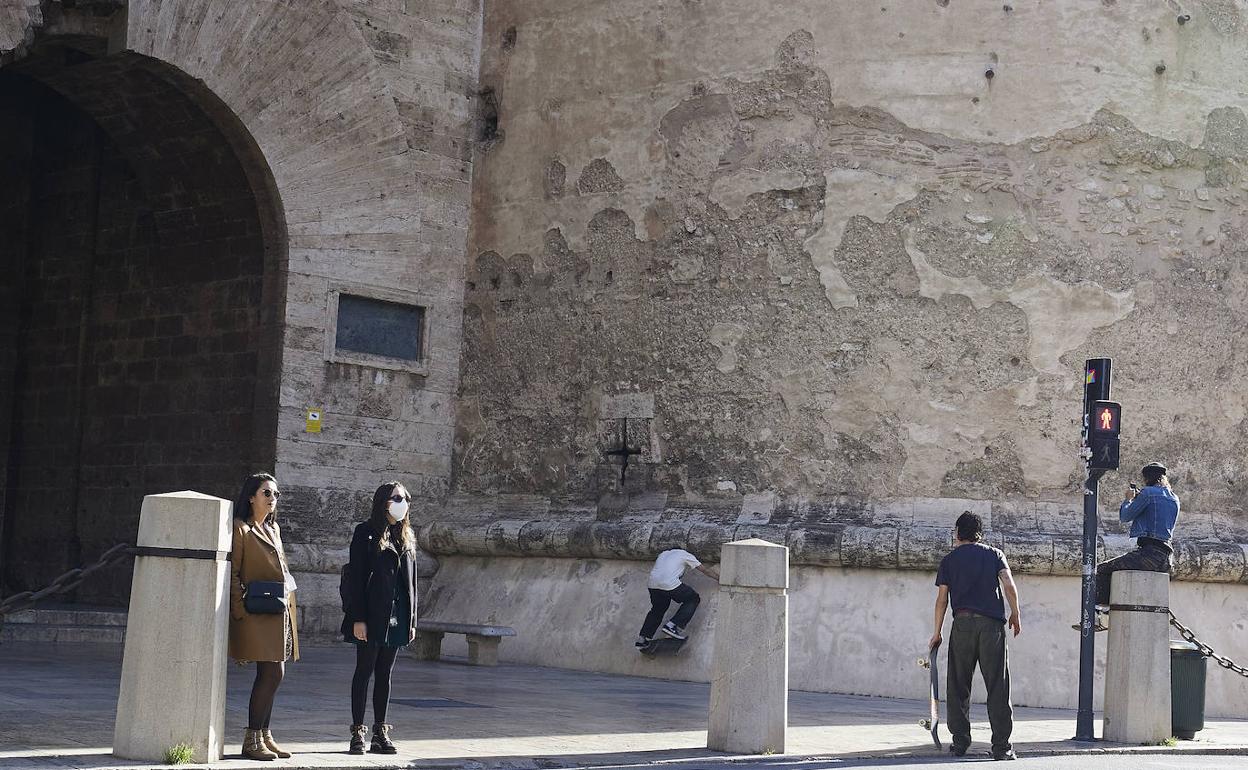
point(67, 582)
point(1206, 650)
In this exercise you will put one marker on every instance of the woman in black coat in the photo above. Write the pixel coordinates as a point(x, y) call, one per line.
point(381, 608)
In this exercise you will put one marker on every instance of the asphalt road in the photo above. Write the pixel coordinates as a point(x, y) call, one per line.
point(1076, 762)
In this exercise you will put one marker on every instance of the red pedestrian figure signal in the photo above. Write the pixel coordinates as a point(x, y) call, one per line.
point(1106, 419)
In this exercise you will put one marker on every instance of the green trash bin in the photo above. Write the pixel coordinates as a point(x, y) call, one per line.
point(1187, 689)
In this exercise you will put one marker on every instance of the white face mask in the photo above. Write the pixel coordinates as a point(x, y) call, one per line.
point(398, 511)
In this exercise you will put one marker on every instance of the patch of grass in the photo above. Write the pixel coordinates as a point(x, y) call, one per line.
point(179, 754)
point(1171, 742)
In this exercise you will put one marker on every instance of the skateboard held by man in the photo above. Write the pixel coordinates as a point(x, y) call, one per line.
point(932, 722)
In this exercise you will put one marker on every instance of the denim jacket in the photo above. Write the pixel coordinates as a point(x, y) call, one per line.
point(1152, 513)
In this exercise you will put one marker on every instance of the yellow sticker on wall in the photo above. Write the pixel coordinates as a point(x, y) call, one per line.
point(314, 421)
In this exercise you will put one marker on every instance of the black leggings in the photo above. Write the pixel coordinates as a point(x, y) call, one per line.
point(263, 691)
point(370, 659)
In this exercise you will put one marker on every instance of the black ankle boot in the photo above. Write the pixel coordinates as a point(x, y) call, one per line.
point(381, 740)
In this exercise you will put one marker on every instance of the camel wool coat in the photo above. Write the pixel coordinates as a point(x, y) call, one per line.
point(257, 555)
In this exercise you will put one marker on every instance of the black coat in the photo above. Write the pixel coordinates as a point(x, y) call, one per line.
point(372, 580)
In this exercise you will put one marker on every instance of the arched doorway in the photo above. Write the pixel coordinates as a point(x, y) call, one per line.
point(141, 301)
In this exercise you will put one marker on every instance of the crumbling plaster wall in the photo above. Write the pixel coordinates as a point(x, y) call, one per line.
point(854, 249)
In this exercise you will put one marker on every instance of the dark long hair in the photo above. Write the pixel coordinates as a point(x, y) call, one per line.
point(251, 485)
point(380, 520)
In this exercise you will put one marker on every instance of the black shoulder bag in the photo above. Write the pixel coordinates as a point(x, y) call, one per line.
point(265, 597)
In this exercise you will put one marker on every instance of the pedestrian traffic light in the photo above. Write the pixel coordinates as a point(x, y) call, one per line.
point(1104, 427)
point(1096, 377)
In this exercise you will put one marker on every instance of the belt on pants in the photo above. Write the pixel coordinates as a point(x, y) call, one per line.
point(973, 614)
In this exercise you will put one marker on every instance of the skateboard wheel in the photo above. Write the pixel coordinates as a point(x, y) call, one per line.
point(926, 724)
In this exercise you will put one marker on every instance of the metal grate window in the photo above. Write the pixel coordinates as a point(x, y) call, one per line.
point(380, 328)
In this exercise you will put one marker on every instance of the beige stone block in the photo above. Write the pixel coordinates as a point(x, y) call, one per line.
point(923, 547)
point(944, 511)
point(869, 547)
point(483, 650)
point(173, 670)
point(1137, 659)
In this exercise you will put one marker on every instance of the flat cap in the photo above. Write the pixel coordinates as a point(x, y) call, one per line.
point(1154, 466)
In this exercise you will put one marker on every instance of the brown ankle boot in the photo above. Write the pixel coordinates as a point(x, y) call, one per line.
point(381, 740)
point(254, 748)
point(267, 736)
point(358, 733)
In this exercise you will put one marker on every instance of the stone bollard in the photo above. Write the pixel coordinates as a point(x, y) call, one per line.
point(1137, 658)
point(750, 673)
point(173, 670)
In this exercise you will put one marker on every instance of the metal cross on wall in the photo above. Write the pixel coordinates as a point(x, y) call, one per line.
point(623, 451)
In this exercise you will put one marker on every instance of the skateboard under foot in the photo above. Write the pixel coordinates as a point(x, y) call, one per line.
point(661, 645)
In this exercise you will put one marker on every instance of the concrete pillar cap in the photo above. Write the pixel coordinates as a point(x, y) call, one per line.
point(1139, 587)
point(754, 563)
point(185, 520)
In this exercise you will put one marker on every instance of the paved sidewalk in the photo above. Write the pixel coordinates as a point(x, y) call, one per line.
point(56, 711)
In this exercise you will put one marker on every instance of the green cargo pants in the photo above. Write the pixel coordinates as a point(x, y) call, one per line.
point(976, 639)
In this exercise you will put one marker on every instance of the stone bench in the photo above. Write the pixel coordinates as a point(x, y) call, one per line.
point(483, 641)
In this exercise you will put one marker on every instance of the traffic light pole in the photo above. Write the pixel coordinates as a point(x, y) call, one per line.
point(1087, 621)
point(1101, 426)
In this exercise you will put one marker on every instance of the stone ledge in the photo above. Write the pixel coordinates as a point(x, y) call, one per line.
point(826, 545)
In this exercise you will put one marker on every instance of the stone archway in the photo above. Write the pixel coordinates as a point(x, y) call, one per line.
point(141, 348)
point(295, 95)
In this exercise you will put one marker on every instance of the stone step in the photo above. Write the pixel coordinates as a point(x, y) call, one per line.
point(69, 615)
point(65, 623)
point(66, 634)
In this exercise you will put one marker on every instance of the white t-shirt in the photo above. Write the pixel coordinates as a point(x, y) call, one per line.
point(669, 568)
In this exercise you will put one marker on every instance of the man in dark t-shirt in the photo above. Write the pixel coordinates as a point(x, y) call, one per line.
point(972, 577)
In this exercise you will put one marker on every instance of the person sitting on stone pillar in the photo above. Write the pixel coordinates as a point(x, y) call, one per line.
point(666, 587)
point(1152, 511)
point(971, 578)
point(262, 627)
point(379, 590)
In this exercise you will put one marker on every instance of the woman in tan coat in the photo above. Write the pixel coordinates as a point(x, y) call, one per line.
point(262, 607)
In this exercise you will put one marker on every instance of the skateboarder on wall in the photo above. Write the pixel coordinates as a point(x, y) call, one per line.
point(972, 577)
point(666, 587)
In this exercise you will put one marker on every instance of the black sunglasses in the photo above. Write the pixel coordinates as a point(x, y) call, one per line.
point(397, 498)
point(271, 493)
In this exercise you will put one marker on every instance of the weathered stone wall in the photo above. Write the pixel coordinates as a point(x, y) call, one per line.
point(388, 210)
point(853, 252)
point(915, 537)
point(851, 630)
